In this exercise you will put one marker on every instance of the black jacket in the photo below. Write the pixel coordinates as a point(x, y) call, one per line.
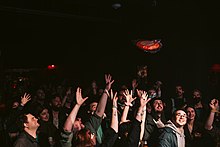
point(26, 140)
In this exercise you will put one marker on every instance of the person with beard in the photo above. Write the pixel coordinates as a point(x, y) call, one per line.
point(121, 101)
point(179, 101)
point(56, 111)
point(154, 122)
point(200, 106)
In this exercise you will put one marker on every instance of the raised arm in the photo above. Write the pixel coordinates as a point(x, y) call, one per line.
point(134, 135)
point(142, 94)
point(25, 98)
point(103, 100)
point(128, 103)
point(114, 121)
point(214, 108)
point(143, 101)
point(111, 133)
point(72, 116)
point(13, 115)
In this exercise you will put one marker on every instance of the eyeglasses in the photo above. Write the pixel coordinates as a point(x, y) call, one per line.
point(179, 115)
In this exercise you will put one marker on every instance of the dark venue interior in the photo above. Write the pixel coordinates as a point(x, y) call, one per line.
point(51, 46)
point(86, 39)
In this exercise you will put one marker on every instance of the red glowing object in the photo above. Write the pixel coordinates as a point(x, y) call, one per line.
point(215, 68)
point(51, 67)
point(151, 46)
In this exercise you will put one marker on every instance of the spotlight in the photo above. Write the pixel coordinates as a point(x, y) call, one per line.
point(50, 67)
point(151, 46)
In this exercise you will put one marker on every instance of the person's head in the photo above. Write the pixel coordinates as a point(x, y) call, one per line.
point(44, 115)
point(197, 96)
point(157, 105)
point(40, 94)
point(85, 138)
point(56, 102)
point(94, 84)
point(179, 118)
point(60, 90)
point(15, 104)
point(121, 96)
point(142, 71)
point(191, 113)
point(78, 125)
point(27, 122)
point(41, 112)
point(92, 107)
point(152, 93)
point(124, 129)
point(179, 91)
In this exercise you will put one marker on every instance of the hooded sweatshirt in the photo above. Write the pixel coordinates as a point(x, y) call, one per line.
point(180, 136)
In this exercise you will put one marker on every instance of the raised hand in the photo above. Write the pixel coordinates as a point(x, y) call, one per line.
point(25, 98)
point(143, 97)
point(79, 99)
point(68, 91)
point(129, 98)
point(108, 81)
point(142, 94)
point(214, 105)
point(159, 123)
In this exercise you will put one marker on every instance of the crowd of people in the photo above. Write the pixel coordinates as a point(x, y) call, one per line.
point(136, 115)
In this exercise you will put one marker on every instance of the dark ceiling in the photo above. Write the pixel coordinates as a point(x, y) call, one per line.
point(99, 35)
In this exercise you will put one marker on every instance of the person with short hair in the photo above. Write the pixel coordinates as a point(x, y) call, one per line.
point(28, 136)
point(173, 132)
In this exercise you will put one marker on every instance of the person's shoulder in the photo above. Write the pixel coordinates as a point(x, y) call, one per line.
point(21, 139)
point(149, 118)
point(167, 129)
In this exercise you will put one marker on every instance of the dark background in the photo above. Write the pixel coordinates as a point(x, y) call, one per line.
point(86, 39)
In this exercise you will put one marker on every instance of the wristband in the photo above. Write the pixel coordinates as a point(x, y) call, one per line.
point(106, 92)
point(214, 111)
point(113, 106)
point(129, 105)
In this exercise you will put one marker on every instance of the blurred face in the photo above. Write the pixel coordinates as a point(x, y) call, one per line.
point(94, 84)
point(40, 94)
point(91, 137)
point(56, 103)
point(158, 105)
point(93, 106)
point(180, 118)
point(190, 113)
point(15, 105)
point(196, 94)
point(179, 90)
point(32, 123)
point(196, 97)
point(121, 97)
point(152, 93)
point(44, 115)
point(78, 125)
